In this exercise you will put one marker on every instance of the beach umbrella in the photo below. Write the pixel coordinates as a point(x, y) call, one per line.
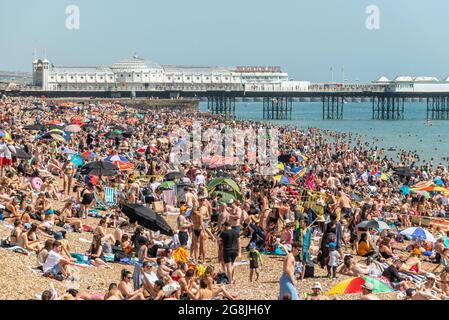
point(171, 176)
point(116, 131)
point(88, 155)
point(34, 127)
point(418, 232)
point(284, 158)
point(404, 171)
point(56, 131)
point(119, 128)
point(354, 285)
point(379, 225)
point(146, 218)
point(68, 151)
point(113, 136)
point(76, 119)
point(116, 158)
point(100, 168)
point(21, 154)
point(425, 194)
point(57, 137)
point(284, 179)
point(127, 134)
point(73, 128)
point(167, 185)
point(56, 122)
point(123, 166)
point(405, 190)
point(144, 148)
point(92, 179)
point(77, 160)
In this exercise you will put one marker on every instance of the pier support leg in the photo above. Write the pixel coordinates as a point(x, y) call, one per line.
point(277, 108)
point(222, 105)
point(438, 108)
point(333, 107)
point(388, 108)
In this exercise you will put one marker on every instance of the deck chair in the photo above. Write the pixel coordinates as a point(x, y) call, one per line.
point(444, 263)
point(99, 204)
point(110, 196)
point(416, 220)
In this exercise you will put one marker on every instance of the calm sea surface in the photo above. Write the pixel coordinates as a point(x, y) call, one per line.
point(409, 134)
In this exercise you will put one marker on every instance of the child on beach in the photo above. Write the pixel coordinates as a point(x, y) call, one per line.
point(334, 257)
point(255, 260)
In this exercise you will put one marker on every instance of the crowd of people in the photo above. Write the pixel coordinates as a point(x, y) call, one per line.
point(311, 216)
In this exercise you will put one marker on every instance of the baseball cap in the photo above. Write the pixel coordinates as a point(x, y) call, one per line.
point(27, 226)
point(58, 236)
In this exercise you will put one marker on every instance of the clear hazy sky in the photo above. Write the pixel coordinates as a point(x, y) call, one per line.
point(305, 38)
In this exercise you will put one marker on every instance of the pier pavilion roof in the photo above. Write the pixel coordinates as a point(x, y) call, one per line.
point(136, 64)
point(195, 69)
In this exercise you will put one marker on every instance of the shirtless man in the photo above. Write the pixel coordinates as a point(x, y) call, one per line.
point(287, 283)
point(183, 229)
point(198, 239)
point(352, 268)
point(234, 219)
point(344, 203)
point(190, 198)
point(205, 209)
point(413, 294)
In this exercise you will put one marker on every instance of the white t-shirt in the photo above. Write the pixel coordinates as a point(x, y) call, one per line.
point(200, 179)
point(151, 277)
point(53, 259)
point(333, 258)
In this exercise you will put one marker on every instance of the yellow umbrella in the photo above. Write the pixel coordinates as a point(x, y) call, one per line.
point(57, 137)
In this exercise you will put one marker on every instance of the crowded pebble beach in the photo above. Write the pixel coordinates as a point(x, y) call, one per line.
point(98, 201)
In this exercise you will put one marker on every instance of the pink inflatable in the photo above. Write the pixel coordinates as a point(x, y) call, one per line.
point(36, 183)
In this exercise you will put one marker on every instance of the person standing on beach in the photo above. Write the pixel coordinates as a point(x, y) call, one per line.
point(229, 238)
point(287, 282)
point(198, 241)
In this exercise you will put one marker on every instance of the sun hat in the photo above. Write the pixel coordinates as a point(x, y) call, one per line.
point(368, 286)
point(321, 218)
point(317, 285)
point(430, 276)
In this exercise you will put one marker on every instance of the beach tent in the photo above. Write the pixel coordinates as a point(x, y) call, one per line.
point(231, 184)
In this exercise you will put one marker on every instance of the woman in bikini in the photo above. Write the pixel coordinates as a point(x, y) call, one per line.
point(66, 218)
point(125, 287)
point(69, 171)
point(96, 253)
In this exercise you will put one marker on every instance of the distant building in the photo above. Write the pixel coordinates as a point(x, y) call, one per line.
point(414, 84)
point(138, 74)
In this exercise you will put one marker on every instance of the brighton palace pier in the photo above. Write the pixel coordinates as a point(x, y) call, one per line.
point(137, 74)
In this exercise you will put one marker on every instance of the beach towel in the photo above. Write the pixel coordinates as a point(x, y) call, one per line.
point(286, 287)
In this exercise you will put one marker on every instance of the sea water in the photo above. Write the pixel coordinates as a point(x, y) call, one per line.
point(412, 133)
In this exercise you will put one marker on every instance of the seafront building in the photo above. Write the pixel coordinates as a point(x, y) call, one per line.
point(137, 74)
